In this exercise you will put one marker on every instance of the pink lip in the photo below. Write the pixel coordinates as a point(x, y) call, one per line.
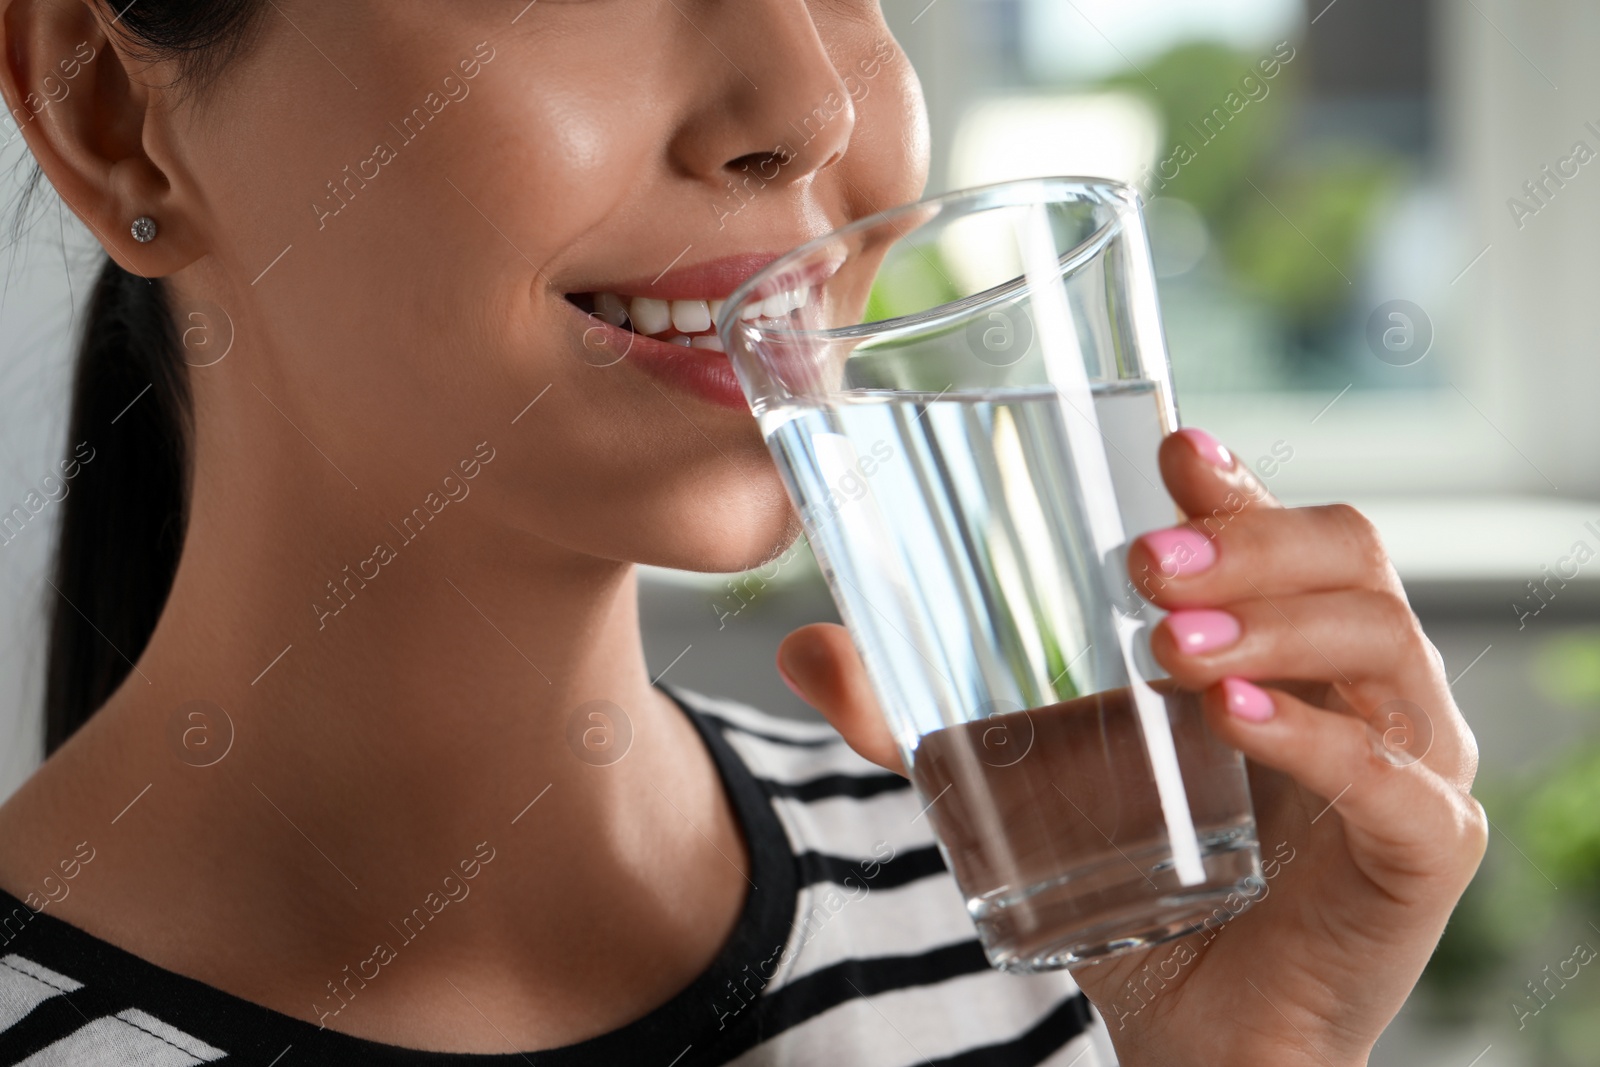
point(701, 371)
point(704, 372)
point(716, 279)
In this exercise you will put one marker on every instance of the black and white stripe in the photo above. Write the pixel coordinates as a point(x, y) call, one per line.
point(40, 1026)
point(886, 967)
point(854, 948)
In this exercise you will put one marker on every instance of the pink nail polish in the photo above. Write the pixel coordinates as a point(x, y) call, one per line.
point(1211, 450)
point(1202, 631)
point(1180, 550)
point(1245, 701)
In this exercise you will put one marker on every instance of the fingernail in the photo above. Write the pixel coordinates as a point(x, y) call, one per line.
point(1202, 631)
point(1211, 450)
point(1180, 551)
point(788, 680)
point(1245, 701)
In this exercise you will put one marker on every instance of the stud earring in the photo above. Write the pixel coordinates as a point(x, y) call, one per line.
point(144, 229)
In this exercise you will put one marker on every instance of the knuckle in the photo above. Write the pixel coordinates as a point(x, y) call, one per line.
point(1400, 626)
point(1463, 764)
point(1367, 768)
point(1359, 533)
point(1433, 649)
point(1469, 753)
point(1230, 513)
point(1474, 829)
point(1343, 742)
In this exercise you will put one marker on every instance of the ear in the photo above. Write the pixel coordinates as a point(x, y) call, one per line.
point(94, 116)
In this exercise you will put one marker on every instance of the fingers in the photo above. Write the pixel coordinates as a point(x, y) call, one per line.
point(1217, 558)
point(1366, 643)
point(1204, 477)
point(1239, 541)
point(820, 664)
point(1407, 826)
point(1349, 636)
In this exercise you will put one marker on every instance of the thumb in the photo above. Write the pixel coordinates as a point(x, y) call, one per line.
point(820, 664)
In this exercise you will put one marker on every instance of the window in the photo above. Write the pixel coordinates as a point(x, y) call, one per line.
point(1313, 177)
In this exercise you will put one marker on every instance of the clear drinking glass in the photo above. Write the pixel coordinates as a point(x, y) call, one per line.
point(965, 397)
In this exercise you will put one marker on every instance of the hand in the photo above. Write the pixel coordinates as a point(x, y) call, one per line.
point(1366, 855)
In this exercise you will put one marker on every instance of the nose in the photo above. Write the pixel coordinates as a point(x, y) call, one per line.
point(776, 108)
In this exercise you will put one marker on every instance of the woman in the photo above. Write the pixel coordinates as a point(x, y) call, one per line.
point(335, 801)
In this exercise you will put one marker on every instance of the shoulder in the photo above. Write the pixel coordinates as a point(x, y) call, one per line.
point(789, 757)
point(753, 722)
point(829, 798)
point(877, 928)
point(67, 997)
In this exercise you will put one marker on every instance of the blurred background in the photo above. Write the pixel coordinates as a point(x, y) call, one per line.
point(1375, 223)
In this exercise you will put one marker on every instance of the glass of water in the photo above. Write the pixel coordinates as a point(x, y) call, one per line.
point(965, 397)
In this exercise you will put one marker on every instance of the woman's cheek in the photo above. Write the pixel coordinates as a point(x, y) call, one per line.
point(564, 165)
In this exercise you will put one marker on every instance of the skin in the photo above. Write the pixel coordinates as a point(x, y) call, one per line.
point(380, 352)
point(1372, 853)
point(393, 341)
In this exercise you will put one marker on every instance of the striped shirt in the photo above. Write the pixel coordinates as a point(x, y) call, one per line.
point(853, 949)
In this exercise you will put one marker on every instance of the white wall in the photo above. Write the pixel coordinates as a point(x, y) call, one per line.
point(1538, 289)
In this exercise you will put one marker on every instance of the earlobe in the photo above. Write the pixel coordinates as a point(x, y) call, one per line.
point(86, 107)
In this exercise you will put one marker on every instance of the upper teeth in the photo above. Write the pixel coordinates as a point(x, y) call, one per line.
point(777, 305)
point(650, 316)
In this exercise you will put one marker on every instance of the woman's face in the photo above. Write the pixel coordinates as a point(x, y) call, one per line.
point(410, 207)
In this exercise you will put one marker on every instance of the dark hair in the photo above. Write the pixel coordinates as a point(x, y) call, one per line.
point(123, 522)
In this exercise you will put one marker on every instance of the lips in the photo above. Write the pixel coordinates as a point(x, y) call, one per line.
point(651, 322)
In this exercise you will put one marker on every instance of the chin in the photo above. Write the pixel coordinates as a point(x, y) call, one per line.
point(713, 543)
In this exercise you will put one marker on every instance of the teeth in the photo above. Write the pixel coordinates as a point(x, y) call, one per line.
point(680, 340)
point(610, 308)
point(691, 316)
point(650, 316)
point(778, 305)
point(710, 340)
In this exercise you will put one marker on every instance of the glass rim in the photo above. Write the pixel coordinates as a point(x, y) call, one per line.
point(1045, 190)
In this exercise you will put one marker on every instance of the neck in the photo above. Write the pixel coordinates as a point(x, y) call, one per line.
point(374, 640)
point(433, 705)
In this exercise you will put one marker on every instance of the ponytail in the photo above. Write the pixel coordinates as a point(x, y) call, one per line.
point(123, 520)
